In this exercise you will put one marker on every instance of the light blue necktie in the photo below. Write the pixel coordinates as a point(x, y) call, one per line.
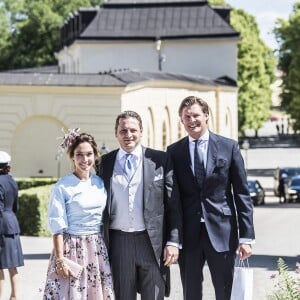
point(128, 167)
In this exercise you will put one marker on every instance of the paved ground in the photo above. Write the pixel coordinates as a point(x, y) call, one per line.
point(272, 242)
point(276, 236)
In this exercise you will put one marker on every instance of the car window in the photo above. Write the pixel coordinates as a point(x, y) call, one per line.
point(251, 184)
point(291, 171)
point(296, 181)
point(257, 185)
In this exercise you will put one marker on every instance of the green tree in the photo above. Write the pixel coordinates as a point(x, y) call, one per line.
point(256, 67)
point(11, 15)
point(33, 41)
point(288, 37)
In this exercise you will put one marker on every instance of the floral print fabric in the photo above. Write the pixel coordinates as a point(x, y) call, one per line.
point(95, 282)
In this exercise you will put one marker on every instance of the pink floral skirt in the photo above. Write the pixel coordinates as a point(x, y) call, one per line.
point(95, 282)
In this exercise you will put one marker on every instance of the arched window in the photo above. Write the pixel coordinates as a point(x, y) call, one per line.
point(166, 129)
point(179, 131)
point(164, 136)
point(150, 129)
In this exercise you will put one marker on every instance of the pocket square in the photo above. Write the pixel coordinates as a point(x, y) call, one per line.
point(221, 163)
point(158, 177)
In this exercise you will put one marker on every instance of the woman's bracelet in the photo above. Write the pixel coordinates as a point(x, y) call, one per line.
point(60, 263)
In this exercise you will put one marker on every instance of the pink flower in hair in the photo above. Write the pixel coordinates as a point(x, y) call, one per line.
point(68, 139)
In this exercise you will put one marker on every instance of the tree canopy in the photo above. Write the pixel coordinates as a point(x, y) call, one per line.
point(30, 30)
point(256, 68)
point(288, 37)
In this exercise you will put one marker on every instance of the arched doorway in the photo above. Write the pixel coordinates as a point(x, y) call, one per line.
point(34, 148)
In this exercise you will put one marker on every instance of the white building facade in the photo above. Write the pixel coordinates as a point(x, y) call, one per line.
point(108, 66)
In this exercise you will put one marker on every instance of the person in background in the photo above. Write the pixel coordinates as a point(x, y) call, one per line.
point(143, 221)
point(281, 190)
point(11, 255)
point(216, 205)
point(75, 212)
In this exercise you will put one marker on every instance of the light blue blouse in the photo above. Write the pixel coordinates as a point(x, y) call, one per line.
point(76, 206)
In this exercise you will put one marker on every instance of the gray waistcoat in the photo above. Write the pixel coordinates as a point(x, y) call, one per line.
point(127, 200)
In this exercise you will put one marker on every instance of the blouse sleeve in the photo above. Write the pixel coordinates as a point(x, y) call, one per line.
point(57, 216)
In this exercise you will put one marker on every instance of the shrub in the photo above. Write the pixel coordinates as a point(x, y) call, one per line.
point(26, 183)
point(287, 284)
point(33, 208)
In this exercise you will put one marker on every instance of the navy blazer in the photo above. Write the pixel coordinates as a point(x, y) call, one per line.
point(162, 212)
point(8, 205)
point(224, 198)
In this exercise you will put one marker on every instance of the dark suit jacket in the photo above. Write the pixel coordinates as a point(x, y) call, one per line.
point(162, 213)
point(8, 205)
point(224, 197)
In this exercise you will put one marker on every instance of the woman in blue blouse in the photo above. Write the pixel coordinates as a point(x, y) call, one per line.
point(75, 213)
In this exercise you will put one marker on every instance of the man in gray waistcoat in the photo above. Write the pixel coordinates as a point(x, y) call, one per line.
point(142, 221)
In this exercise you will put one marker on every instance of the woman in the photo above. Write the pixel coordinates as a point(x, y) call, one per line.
point(11, 255)
point(75, 212)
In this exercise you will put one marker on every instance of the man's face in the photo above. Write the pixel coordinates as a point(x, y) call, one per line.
point(129, 133)
point(194, 120)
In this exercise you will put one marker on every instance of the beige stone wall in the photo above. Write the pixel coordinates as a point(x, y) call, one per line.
point(31, 118)
point(206, 57)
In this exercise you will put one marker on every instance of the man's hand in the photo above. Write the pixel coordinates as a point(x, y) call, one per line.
point(171, 254)
point(244, 251)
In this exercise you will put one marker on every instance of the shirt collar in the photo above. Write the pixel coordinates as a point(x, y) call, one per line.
point(137, 152)
point(204, 137)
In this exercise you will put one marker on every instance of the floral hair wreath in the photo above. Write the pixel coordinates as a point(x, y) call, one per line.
point(68, 140)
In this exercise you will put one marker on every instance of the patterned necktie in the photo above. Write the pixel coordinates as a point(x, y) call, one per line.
point(128, 167)
point(199, 169)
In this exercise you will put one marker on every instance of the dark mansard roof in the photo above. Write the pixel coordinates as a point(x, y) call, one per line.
point(148, 20)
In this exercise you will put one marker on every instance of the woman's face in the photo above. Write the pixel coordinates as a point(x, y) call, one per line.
point(84, 158)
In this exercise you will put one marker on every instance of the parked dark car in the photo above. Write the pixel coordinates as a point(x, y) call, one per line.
point(292, 189)
point(257, 192)
point(288, 173)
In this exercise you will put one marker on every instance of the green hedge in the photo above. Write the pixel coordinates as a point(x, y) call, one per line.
point(26, 183)
point(33, 210)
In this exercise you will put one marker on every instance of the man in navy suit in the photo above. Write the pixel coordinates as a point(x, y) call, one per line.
point(217, 209)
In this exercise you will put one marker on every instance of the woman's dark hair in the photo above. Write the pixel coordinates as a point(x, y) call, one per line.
point(82, 138)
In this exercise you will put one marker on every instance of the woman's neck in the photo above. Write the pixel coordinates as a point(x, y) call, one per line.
point(82, 175)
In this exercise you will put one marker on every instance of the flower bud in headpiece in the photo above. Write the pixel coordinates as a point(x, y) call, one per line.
point(68, 140)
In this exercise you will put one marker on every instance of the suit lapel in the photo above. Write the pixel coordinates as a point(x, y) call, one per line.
point(185, 159)
point(211, 153)
point(186, 154)
point(108, 166)
point(148, 174)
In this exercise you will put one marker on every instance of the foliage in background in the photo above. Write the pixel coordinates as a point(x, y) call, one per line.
point(29, 30)
point(26, 183)
point(288, 36)
point(256, 71)
point(33, 210)
point(287, 284)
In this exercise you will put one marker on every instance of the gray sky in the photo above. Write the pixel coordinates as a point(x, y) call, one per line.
point(266, 12)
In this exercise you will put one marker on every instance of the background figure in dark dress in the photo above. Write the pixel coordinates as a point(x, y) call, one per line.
point(11, 255)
